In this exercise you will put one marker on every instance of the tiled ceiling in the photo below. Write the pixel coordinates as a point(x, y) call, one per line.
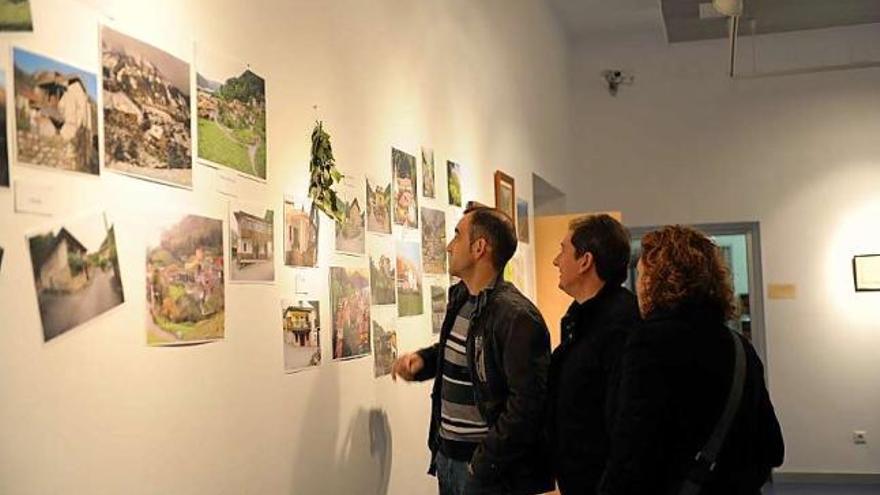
point(683, 23)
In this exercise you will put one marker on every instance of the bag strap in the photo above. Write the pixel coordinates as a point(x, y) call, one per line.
point(706, 458)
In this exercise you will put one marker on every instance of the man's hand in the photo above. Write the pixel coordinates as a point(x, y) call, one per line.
point(407, 366)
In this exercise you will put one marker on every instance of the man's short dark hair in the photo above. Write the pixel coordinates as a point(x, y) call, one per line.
point(497, 228)
point(607, 240)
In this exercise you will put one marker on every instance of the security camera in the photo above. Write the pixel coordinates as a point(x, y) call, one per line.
point(614, 78)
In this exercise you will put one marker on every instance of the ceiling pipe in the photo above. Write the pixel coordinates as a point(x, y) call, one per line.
point(733, 10)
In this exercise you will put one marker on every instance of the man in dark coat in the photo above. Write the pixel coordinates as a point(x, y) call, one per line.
point(592, 263)
point(489, 369)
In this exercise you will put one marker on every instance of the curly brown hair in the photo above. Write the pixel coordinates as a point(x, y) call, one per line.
point(681, 266)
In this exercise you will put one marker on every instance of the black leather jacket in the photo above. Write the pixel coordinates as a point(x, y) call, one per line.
point(508, 351)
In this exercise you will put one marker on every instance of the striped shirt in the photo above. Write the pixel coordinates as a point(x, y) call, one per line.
point(462, 426)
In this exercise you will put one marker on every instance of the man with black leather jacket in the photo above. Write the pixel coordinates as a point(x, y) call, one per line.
point(584, 373)
point(489, 369)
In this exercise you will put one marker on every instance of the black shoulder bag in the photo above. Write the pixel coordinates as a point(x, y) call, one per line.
point(704, 462)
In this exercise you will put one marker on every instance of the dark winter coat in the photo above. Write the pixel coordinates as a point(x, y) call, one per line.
point(676, 376)
point(508, 351)
point(584, 374)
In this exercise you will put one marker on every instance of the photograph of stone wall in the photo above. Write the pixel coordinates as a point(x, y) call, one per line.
point(56, 114)
point(146, 105)
point(231, 115)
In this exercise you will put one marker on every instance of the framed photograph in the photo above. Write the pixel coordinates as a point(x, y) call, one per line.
point(866, 272)
point(505, 194)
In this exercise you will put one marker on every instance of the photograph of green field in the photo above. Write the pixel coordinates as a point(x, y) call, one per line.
point(232, 116)
point(15, 15)
point(185, 282)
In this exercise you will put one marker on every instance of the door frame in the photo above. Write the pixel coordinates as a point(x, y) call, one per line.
point(752, 231)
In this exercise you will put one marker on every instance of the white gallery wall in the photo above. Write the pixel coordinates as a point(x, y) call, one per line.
point(801, 155)
point(97, 411)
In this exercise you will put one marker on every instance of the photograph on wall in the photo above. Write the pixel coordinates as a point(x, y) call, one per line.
point(522, 220)
point(378, 207)
point(434, 241)
point(406, 198)
point(186, 293)
point(146, 105)
point(251, 241)
point(505, 193)
point(453, 183)
point(301, 228)
point(409, 279)
point(350, 232)
point(231, 104)
point(76, 273)
point(515, 272)
point(15, 15)
point(438, 307)
point(350, 310)
point(301, 326)
point(428, 173)
point(384, 345)
point(382, 273)
point(56, 114)
point(4, 146)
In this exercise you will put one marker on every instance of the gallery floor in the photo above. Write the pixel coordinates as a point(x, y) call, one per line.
point(821, 489)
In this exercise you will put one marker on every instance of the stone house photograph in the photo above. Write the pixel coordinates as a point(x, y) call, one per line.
point(251, 241)
point(56, 114)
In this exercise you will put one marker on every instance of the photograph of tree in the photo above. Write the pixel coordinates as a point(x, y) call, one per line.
point(382, 273)
point(251, 243)
point(406, 198)
point(522, 220)
point(434, 241)
point(4, 147)
point(76, 273)
point(378, 207)
point(146, 103)
point(56, 114)
point(384, 346)
point(15, 15)
point(409, 279)
point(301, 228)
point(428, 172)
point(231, 115)
point(453, 179)
point(438, 307)
point(350, 233)
point(350, 307)
point(301, 326)
point(186, 293)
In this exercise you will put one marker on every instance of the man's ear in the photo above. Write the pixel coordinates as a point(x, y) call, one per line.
point(479, 247)
point(586, 262)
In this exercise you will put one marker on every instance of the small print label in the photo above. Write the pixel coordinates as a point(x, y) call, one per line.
point(782, 291)
point(226, 183)
point(34, 198)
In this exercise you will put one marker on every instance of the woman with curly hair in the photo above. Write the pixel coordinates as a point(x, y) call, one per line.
point(678, 373)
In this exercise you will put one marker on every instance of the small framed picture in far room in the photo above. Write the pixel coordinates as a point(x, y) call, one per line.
point(866, 272)
point(505, 194)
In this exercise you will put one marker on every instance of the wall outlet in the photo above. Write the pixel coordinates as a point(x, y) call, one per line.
point(860, 437)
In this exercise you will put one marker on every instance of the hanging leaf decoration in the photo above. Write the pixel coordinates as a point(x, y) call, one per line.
point(324, 174)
